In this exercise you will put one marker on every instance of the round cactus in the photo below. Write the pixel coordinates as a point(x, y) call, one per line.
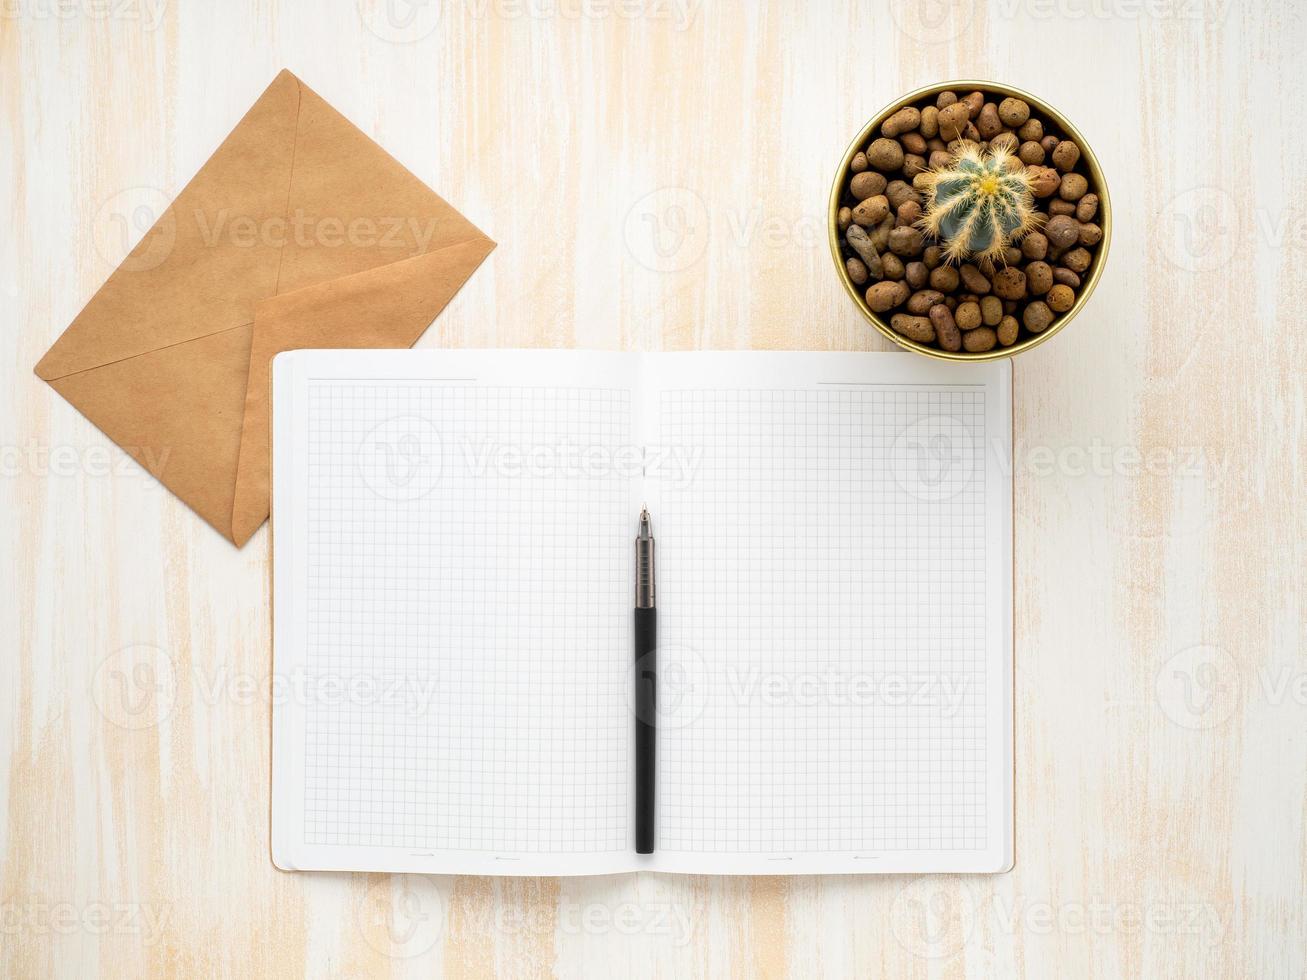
point(978, 204)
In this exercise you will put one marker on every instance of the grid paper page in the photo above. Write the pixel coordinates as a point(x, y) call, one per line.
point(477, 580)
point(824, 634)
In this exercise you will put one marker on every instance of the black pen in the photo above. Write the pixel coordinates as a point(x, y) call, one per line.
point(646, 686)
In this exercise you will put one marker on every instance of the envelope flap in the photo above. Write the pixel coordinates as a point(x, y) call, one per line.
point(354, 207)
point(191, 276)
point(386, 307)
point(177, 411)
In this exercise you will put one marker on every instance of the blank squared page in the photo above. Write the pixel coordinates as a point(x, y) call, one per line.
point(466, 589)
point(834, 596)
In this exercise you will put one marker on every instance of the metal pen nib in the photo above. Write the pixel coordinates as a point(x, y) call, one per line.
point(644, 563)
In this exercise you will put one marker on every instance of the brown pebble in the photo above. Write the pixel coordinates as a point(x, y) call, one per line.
point(905, 119)
point(1008, 328)
point(946, 329)
point(1011, 255)
point(867, 184)
point(1087, 208)
point(1037, 316)
point(899, 191)
point(1049, 143)
point(885, 154)
point(929, 122)
point(945, 98)
point(974, 280)
point(859, 163)
point(967, 315)
point(1034, 245)
point(916, 328)
point(932, 256)
point(1010, 283)
point(857, 270)
point(1031, 153)
point(1013, 112)
point(1059, 206)
point(944, 278)
point(1090, 234)
point(872, 211)
point(920, 302)
point(913, 164)
point(1039, 277)
point(953, 120)
point(1077, 260)
point(1031, 129)
point(939, 159)
point(1043, 181)
point(1066, 277)
point(1060, 298)
point(884, 296)
point(987, 122)
point(959, 146)
point(907, 242)
point(880, 236)
point(913, 143)
point(892, 266)
point(975, 102)
point(908, 212)
point(1061, 230)
point(979, 340)
point(991, 311)
point(916, 274)
point(1065, 155)
point(1073, 187)
point(861, 242)
point(1004, 141)
point(844, 218)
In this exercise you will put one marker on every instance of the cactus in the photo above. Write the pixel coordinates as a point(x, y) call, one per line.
point(977, 205)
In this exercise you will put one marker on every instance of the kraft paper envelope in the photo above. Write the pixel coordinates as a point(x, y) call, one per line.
point(299, 231)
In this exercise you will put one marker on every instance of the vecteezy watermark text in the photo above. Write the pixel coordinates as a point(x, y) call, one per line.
point(147, 13)
point(835, 688)
point(39, 917)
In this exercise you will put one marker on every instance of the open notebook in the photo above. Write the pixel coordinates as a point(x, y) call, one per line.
point(453, 592)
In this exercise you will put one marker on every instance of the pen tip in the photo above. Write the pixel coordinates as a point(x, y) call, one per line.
point(645, 528)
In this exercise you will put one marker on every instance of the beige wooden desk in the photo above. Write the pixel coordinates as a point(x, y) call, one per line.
point(655, 172)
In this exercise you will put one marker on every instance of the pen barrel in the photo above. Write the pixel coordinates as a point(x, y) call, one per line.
point(646, 731)
point(644, 573)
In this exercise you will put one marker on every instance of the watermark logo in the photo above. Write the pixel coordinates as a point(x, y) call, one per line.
point(400, 21)
point(667, 229)
point(402, 916)
point(933, 916)
point(1198, 228)
point(933, 21)
point(1199, 687)
point(400, 459)
point(135, 229)
point(934, 458)
point(135, 687)
point(679, 685)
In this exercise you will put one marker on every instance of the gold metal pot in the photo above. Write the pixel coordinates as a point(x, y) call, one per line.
point(1096, 181)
